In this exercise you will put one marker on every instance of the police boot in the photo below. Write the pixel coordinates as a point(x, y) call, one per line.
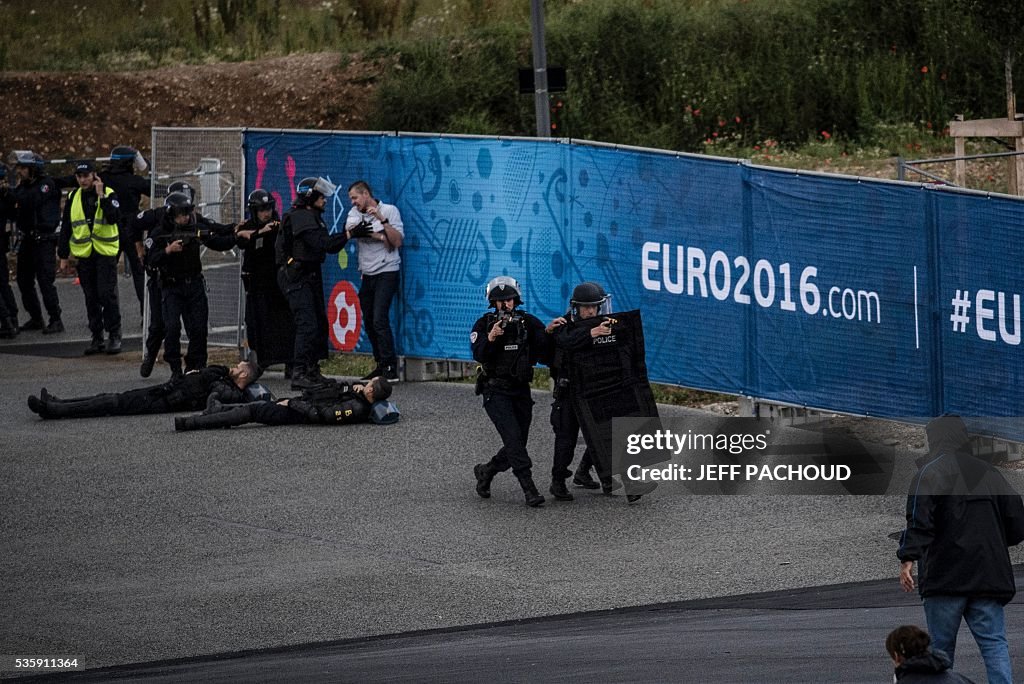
point(53, 327)
point(609, 485)
point(236, 415)
point(175, 370)
point(38, 406)
point(559, 490)
point(95, 347)
point(533, 497)
point(582, 478)
point(146, 367)
point(484, 472)
point(8, 327)
point(306, 380)
point(91, 407)
point(114, 344)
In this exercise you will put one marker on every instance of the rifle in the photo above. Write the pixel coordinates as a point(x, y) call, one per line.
point(194, 232)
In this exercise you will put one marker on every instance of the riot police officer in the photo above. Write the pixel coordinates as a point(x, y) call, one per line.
point(507, 343)
point(302, 247)
point(174, 250)
point(189, 392)
point(588, 300)
point(119, 174)
point(331, 404)
point(8, 307)
point(89, 231)
point(268, 320)
point(144, 223)
point(38, 219)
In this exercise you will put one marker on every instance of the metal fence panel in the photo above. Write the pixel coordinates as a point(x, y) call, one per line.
point(211, 161)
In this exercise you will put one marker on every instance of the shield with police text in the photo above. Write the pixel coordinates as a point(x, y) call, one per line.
point(609, 380)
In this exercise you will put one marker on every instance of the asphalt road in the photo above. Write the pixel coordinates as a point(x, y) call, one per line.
point(123, 542)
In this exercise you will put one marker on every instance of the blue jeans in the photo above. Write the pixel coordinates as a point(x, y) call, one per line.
point(984, 617)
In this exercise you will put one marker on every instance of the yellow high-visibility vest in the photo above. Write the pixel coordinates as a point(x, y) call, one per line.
point(102, 236)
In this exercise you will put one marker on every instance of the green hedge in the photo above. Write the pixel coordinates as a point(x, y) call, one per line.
point(672, 75)
point(660, 73)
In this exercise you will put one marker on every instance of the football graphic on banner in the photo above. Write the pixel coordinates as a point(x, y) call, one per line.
point(344, 316)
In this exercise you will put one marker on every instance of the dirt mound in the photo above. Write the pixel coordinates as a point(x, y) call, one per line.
point(86, 113)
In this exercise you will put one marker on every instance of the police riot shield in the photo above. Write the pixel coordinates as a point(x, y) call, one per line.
point(609, 380)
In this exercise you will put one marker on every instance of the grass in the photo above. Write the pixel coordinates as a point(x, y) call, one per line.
point(876, 156)
point(352, 365)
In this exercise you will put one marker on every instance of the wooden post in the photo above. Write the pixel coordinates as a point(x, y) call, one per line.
point(991, 128)
point(960, 147)
point(1018, 168)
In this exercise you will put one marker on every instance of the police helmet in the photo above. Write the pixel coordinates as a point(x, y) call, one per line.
point(384, 413)
point(260, 200)
point(588, 294)
point(178, 204)
point(183, 188)
point(127, 158)
point(310, 189)
point(504, 287)
point(28, 159)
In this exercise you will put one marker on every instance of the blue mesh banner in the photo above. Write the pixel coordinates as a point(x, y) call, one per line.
point(848, 313)
point(978, 306)
point(814, 290)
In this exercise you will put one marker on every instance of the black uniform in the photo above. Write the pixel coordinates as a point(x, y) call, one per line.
point(564, 421)
point(268, 320)
point(183, 286)
point(130, 189)
point(505, 384)
point(329, 405)
point(38, 217)
point(97, 273)
point(187, 393)
point(144, 223)
point(8, 307)
point(302, 247)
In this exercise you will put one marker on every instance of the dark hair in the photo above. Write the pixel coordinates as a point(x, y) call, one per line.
point(254, 371)
point(361, 185)
point(381, 388)
point(907, 641)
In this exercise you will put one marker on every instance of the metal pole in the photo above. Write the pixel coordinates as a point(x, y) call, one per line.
point(540, 70)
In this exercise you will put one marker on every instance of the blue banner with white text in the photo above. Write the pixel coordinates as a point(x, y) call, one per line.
point(859, 296)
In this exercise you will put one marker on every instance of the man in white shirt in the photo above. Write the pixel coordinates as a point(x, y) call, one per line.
point(378, 231)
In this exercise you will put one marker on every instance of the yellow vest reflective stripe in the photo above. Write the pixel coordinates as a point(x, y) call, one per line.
point(103, 237)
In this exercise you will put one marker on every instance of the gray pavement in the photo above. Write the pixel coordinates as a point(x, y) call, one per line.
point(123, 542)
point(825, 634)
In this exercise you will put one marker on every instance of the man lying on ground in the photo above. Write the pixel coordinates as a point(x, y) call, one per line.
point(331, 404)
point(187, 393)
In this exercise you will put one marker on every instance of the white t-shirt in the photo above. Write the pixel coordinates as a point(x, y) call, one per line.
point(374, 255)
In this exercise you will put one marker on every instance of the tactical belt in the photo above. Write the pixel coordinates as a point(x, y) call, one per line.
point(504, 384)
point(180, 280)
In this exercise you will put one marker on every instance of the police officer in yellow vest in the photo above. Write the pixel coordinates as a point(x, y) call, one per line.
point(89, 232)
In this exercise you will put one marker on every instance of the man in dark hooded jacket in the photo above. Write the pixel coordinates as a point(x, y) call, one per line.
point(961, 517)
